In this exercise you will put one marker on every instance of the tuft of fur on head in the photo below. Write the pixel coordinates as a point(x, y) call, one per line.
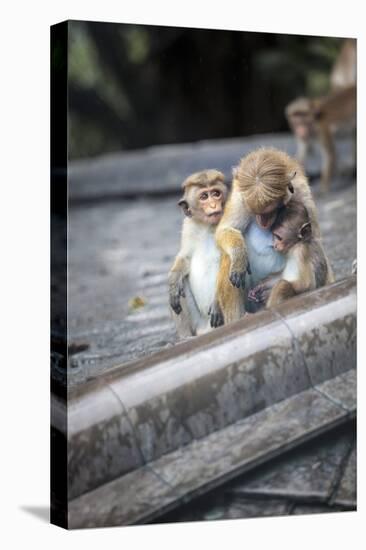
point(263, 177)
point(205, 178)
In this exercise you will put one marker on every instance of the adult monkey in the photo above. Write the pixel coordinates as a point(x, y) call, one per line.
point(263, 182)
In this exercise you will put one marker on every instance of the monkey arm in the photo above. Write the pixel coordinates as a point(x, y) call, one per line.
point(261, 292)
point(230, 240)
point(232, 243)
point(328, 154)
point(297, 277)
point(228, 304)
point(177, 274)
point(280, 292)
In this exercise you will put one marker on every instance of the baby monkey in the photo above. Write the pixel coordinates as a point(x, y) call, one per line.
point(306, 267)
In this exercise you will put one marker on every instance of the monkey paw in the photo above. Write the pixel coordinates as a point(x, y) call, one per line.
point(216, 315)
point(175, 304)
point(176, 291)
point(255, 294)
point(237, 279)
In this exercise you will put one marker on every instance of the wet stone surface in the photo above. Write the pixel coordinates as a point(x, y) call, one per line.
point(120, 252)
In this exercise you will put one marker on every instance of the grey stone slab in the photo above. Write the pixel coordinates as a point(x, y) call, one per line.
point(342, 389)
point(326, 331)
point(305, 474)
point(101, 441)
point(192, 394)
point(129, 499)
point(218, 507)
point(140, 496)
point(346, 495)
point(248, 443)
point(124, 174)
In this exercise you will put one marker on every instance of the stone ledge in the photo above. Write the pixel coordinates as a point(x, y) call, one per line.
point(141, 496)
point(161, 170)
point(132, 417)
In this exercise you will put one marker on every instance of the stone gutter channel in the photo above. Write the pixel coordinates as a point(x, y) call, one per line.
point(145, 438)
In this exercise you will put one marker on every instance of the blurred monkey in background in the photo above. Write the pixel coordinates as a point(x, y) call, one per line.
point(317, 119)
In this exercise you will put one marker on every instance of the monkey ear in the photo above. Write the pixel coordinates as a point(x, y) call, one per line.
point(185, 207)
point(305, 231)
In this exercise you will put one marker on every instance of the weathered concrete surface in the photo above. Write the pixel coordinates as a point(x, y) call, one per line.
point(206, 463)
point(346, 493)
point(308, 475)
point(302, 481)
point(204, 385)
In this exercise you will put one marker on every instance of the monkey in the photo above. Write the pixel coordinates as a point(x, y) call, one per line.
point(306, 267)
point(264, 181)
point(316, 120)
point(192, 278)
point(344, 71)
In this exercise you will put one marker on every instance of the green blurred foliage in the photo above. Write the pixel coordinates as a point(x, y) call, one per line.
point(132, 86)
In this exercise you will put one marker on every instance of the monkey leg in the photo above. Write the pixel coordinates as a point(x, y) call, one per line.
point(302, 150)
point(189, 321)
point(280, 292)
point(328, 155)
point(230, 298)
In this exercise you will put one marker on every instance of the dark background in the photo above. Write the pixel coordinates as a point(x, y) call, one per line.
point(132, 86)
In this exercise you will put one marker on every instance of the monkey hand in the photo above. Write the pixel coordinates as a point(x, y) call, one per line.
point(216, 315)
point(237, 277)
point(176, 291)
point(258, 294)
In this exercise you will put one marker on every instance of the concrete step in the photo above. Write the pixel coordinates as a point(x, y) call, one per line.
point(163, 484)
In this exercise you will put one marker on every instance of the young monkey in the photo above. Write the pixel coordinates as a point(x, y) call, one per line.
point(306, 267)
point(192, 278)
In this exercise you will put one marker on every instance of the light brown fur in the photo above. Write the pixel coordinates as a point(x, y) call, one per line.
point(262, 178)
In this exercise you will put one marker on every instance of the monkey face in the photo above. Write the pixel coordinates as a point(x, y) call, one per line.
point(302, 124)
point(300, 116)
point(210, 201)
point(282, 241)
point(267, 216)
point(204, 204)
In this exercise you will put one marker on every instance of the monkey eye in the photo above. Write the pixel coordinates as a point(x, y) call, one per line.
point(203, 197)
point(277, 237)
point(216, 193)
